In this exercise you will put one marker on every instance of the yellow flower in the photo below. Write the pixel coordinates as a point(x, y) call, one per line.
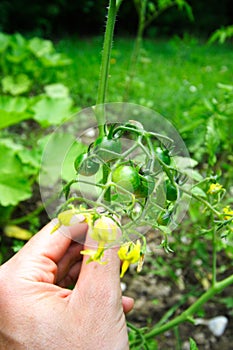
point(104, 230)
point(95, 255)
point(227, 210)
point(69, 217)
point(129, 253)
point(214, 188)
point(65, 218)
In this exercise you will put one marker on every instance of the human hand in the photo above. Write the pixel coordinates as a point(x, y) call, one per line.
point(38, 311)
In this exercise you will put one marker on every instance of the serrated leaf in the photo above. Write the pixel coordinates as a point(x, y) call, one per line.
point(51, 111)
point(16, 85)
point(57, 91)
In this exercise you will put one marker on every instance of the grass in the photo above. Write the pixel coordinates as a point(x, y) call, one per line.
point(171, 76)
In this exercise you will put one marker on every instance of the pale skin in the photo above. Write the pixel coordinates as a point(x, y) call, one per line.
point(38, 311)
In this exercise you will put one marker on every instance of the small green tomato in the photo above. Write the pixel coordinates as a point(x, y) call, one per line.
point(127, 177)
point(85, 166)
point(107, 149)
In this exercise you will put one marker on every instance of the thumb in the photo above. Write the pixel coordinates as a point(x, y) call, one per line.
point(99, 280)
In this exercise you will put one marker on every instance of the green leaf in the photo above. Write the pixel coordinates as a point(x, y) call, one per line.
point(198, 192)
point(13, 110)
point(57, 91)
point(55, 60)
point(16, 85)
point(68, 171)
point(13, 104)
point(40, 47)
point(18, 52)
point(13, 189)
point(4, 42)
point(60, 151)
point(11, 118)
point(51, 111)
point(31, 158)
point(193, 174)
point(193, 345)
point(14, 186)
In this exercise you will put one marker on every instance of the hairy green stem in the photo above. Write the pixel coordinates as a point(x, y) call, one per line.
point(105, 63)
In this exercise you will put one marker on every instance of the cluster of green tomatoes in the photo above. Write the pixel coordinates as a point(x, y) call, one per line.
point(128, 160)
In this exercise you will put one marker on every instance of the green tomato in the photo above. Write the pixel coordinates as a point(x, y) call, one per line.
point(127, 177)
point(147, 185)
point(171, 191)
point(163, 155)
point(107, 149)
point(85, 166)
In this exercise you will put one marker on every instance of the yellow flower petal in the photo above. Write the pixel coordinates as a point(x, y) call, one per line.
point(124, 268)
point(130, 253)
point(214, 188)
point(95, 255)
point(227, 210)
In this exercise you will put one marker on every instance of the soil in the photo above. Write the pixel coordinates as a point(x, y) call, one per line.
point(155, 295)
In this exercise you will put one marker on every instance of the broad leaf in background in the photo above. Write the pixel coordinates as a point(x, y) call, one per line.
point(13, 110)
point(60, 150)
point(14, 185)
point(40, 47)
point(52, 111)
point(57, 91)
point(16, 85)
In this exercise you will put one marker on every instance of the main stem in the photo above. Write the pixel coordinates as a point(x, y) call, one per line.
point(105, 63)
